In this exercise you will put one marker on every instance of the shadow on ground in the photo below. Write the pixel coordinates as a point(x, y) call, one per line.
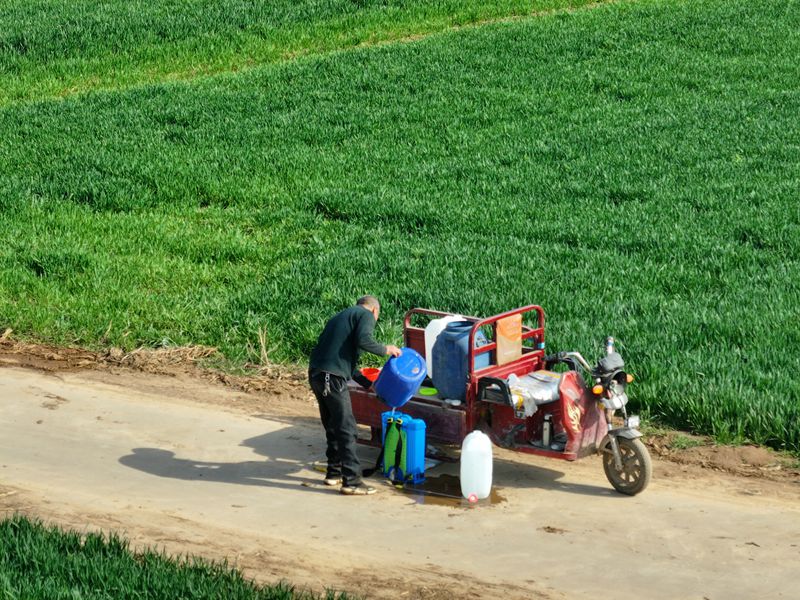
point(289, 457)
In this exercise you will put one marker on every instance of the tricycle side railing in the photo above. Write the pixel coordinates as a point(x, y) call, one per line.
point(532, 357)
point(537, 334)
point(414, 337)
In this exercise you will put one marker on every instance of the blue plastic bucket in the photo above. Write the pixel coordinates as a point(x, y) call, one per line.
point(400, 378)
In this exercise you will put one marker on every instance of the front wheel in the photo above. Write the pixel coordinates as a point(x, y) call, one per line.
point(636, 466)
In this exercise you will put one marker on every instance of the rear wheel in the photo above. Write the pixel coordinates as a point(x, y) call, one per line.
point(636, 466)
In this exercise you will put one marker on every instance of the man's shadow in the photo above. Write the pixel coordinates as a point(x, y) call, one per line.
point(289, 454)
point(289, 461)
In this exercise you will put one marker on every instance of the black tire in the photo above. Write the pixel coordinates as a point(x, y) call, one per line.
point(636, 466)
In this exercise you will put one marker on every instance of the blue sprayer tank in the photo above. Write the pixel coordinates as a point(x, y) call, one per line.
point(400, 377)
point(450, 355)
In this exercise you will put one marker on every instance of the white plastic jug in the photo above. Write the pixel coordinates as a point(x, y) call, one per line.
point(432, 331)
point(476, 466)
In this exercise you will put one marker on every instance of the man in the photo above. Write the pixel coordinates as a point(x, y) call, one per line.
point(333, 361)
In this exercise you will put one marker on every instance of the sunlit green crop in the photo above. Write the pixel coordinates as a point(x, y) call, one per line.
point(633, 168)
point(39, 561)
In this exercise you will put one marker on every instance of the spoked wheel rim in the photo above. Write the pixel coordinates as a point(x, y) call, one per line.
point(636, 466)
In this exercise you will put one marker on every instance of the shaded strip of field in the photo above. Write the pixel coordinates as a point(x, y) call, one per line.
point(57, 48)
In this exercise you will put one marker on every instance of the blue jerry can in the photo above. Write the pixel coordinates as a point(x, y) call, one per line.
point(450, 358)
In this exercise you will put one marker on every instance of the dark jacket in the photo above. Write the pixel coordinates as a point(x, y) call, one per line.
point(339, 346)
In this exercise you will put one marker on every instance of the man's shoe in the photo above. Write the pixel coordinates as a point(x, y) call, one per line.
point(360, 489)
point(332, 480)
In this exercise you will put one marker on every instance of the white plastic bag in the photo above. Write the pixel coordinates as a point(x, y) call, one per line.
point(521, 395)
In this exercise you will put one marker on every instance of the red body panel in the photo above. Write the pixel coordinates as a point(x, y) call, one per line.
point(583, 419)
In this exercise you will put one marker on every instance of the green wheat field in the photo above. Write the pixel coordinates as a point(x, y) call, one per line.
point(196, 172)
point(41, 561)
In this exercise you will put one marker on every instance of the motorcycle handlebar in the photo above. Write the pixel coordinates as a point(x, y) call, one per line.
point(562, 356)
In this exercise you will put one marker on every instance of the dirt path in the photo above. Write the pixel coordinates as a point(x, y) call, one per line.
point(198, 467)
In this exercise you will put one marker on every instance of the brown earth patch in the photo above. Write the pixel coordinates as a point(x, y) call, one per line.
point(172, 361)
point(182, 538)
point(551, 529)
point(745, 460)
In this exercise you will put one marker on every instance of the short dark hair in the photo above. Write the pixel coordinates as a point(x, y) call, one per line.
point(369, 302)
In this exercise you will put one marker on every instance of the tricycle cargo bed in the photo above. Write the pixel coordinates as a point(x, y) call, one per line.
point(447, 423)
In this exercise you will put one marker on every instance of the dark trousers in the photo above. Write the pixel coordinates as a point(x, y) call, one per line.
point(336, 413)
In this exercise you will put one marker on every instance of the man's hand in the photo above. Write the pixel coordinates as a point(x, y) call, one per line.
point(393, 351)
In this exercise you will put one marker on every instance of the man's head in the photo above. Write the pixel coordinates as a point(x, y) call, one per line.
point(371, 304)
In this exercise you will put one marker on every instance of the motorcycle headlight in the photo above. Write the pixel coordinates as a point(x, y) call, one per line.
point(632, 421)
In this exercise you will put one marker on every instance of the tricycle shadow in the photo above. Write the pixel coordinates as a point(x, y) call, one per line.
point(521, 475)
point(507, 473)
point(291, 453)
point(513, 474)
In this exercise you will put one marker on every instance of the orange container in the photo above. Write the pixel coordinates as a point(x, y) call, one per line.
point(371, 373)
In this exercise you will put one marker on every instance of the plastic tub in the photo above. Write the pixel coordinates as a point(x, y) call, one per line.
point(371, 373)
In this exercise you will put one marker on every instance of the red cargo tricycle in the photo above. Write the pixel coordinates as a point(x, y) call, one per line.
point(528, 404)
